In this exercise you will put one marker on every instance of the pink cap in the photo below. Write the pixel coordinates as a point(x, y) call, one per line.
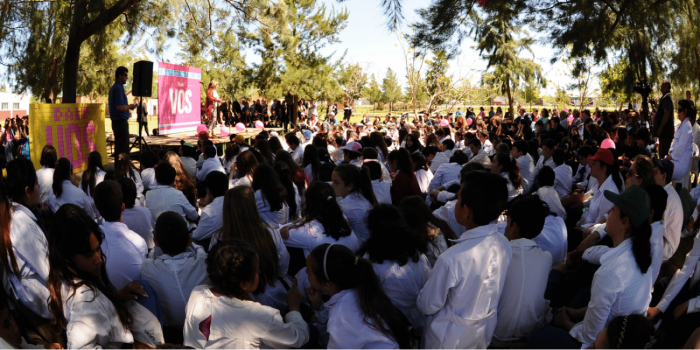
point(607, 143)
point(352, 146)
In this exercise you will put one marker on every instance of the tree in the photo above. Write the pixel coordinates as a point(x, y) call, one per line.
point(499, 46)
point(582, 74)
point(615, 83)
point(391, 90)
point(532, 92)
point(353, 81)
point(54, 41)
point(374, 92)
point(435, 77)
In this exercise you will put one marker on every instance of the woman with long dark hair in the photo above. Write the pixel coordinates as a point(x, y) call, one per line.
point(311, 163)
point(23, 243)
point(293, 199)
point(354, 186)
point(126, 169)
point(323, 222)
point(63, 190)
point(93, 175)
point(83, 301)
point(243, 222)
point(405, 183)
point(245, 166)
point(296, 172)
point(621, 285)
point(360, 313)
point(395, 254)
point(503, 165)
point(270, 196)
point(434, 233)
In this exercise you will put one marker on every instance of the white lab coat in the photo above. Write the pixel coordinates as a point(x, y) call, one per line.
point(562, 180)
point(93, 321)
point(312, 234)
point(527, 171)
point(124, 252)
point(240, 324)
point(447, 213)
point(461, 296)
point(551, 197)
point(619, 288)
point(522, 307)
point(45, 178)
point(690, 270)
point(403, 283)
point(346, 325)
point(30, 247)
point(553, 238)
point(174, 278)
point(682, 150)
point(447, 173)
point(673, 221)
point(355, 208)
point(73, 195)
point(273, 218)
point(382, 190)
point(211, 221)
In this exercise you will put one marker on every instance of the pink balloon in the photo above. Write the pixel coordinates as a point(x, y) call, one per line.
point(240, 127)
point(259, 125)
point(444, 122)
point(201, 127)
point(570, 119)
point(470, 121)
point(225, 131)
point(607, 143)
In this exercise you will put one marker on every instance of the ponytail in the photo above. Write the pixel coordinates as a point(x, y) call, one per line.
point(89, 178)
point(641, 245)
point(283, 172)
point(337, 264)
point(614, 171)
point(360, 180)
point(62, 172)
point(511, 166)
point(322, 207)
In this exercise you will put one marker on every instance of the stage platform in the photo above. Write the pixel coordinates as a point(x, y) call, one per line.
point(172, 141)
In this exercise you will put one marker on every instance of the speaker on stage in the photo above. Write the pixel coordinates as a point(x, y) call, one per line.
point(143, 79)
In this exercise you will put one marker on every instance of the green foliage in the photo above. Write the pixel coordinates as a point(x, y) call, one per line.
point(353, 80)
point(374, 92)
point(436, 78)
point(391, 90)
point(617, 82)
point(531, 92)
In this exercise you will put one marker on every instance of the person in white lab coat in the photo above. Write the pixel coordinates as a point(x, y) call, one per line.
point(124, 249)
point(212, 218)
point(461, 296)
point(323, 222)
point(622, 285)
point(355, 188)
point(45, 174)
point(63, 191)
point(136, 218)
point(522, 308)
point(681, 151)
point(382, 190)
point(125, 168)
point(243, 222)
point(167, 198)
point(562, 173)
point(25, 260)
point(211, 163)
point(222, 315)
point(177, 271)
point(83, 301)
point(525, 163)
point(508, 168)
point(394, 251)
point(435, 233)
point(359, 314)
point(271, 197)
point(93, 175)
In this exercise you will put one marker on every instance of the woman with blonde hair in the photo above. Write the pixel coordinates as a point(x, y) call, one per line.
point(242, 222)
point(212, 103)
point(183, 180)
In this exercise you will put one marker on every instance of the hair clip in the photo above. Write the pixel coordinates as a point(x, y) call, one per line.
point(622, 332)
point(329, 198)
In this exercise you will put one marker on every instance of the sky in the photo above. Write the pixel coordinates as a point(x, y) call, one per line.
point(366, 40)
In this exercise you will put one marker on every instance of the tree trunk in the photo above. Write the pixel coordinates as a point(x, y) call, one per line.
point(510, 99)
point(52, 84)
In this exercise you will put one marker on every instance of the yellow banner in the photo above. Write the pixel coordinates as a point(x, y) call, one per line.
point(74, 129)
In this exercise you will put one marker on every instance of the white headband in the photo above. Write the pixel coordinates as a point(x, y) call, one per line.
point(325, 273)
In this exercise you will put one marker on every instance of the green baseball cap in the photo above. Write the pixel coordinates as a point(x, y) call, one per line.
point(634, 203)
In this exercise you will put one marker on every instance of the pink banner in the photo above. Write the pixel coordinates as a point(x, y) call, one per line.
point(179, 98)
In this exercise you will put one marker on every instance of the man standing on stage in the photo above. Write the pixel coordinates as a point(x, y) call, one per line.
point(119, 109)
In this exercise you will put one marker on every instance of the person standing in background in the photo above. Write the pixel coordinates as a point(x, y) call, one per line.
point(142, 116)
point(663, 127)
point(212, 105)
point(119, 109)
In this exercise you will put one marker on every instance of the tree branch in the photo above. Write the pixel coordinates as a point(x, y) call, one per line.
point(106, 17)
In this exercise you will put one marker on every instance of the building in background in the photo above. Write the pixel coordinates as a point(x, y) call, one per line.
point(12, 105)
